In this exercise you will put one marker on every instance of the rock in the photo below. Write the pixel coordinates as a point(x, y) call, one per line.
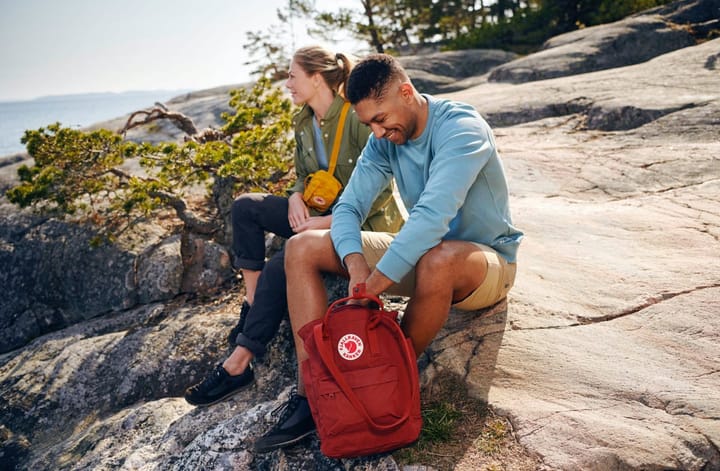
point(160, 271)
point(100, 367)
point(595, 99)
point(204, 107)
point(13, 451)
point(45, 286)
point(107, 393)
point(629, 41)
point(603, 357)
point(445, 71)
point(53, 276)
point(609, 358)
point(701, 16)
point(457, 64)
point(206, 266)
point(642, 395)
point(12, 159)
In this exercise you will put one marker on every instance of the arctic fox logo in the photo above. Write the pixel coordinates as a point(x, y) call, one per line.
point(350, 347)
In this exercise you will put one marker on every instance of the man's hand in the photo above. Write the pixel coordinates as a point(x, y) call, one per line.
point(358, 270)
point(298, 213)
point(375, 282)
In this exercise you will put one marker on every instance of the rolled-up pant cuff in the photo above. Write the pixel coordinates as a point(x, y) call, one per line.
point(247, 264)
point(257, 348)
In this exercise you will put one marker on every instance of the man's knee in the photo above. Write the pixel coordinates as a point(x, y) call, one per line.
point(437, 260)
point(306, 247)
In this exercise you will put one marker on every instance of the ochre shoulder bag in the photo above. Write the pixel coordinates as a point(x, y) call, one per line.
point(321, 187)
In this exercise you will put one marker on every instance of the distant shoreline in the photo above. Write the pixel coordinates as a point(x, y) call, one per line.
point(76, 111)
point(95, 95)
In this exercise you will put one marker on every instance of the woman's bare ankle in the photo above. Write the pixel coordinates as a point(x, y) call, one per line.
point(238, 361)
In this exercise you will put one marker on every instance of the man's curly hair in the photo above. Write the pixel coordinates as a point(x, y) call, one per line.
point(370, 77)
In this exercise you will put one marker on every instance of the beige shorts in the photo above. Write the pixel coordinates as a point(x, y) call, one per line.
point(500, 275)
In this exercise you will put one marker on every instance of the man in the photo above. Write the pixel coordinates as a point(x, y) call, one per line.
point(458, 246)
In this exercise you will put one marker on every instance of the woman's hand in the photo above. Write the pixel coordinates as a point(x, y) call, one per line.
point(314, 222)
point(298, 213)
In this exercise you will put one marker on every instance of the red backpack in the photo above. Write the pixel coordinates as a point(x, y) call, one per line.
point(361, 379)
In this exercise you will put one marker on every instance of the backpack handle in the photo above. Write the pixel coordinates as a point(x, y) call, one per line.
point(359, 292)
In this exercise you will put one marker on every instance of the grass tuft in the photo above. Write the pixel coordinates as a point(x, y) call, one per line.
point(461, 433)
point(439, 421)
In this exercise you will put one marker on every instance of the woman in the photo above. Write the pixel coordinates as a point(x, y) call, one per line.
point(316, 81)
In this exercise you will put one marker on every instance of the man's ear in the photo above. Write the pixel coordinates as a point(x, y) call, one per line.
point(406, 91)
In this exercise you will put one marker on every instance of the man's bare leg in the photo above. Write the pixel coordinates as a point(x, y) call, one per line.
point(447, 273)
point(307, 255)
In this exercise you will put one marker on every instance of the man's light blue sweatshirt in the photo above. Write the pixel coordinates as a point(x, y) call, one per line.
point(451, 181)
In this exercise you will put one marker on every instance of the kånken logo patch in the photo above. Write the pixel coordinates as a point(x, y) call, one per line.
point(350, 347)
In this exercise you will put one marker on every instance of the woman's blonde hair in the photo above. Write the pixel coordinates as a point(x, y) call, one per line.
point(334, 68)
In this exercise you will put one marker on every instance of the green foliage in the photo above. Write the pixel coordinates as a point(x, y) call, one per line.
point(68, 163)
point(389, 25)
point(270, 50)
point(404, 24)
point(84, 174)
point(439, 421)
point(525, 32)
point(613, 10)
point(401, 25)
point(259, 129)
point(533, 22)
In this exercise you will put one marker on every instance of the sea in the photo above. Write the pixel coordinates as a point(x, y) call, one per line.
point(74, 111)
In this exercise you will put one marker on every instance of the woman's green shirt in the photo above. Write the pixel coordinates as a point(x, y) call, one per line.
point(385, 215)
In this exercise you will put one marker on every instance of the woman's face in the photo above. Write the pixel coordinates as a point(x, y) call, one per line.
point(302, 86)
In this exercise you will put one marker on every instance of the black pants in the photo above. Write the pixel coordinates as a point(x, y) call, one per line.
point(253, 214)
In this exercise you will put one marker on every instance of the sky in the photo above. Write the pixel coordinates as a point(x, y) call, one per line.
point(58, 47)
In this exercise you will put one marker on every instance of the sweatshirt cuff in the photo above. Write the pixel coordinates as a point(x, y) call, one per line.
point(346, 247)
point(393, 266)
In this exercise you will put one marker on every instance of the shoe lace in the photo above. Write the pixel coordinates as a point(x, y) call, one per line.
point(287, 409)
point(212, 380)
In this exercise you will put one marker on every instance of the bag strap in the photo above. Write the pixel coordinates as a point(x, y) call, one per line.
point(326, 355)
point(338, 138)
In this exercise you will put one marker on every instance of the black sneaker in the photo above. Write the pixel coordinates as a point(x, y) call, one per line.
point(218, 386)
point(295, 423)
point(240, 325)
